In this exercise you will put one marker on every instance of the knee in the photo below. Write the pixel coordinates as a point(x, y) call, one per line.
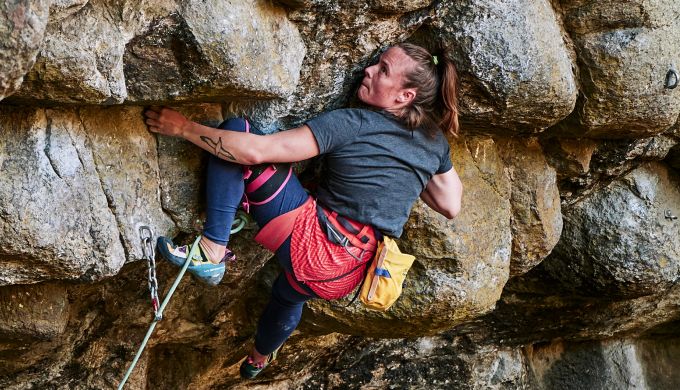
point(234, 124)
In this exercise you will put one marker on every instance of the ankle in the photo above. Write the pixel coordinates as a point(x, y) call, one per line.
point(213, 250)
point(257, 357)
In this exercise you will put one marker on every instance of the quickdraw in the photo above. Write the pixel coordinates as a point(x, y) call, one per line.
point(148, 250)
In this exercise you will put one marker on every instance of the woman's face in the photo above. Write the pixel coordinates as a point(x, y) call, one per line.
point(382, 83)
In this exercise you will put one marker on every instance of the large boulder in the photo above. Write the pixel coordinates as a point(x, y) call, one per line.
point(625, 52)
point(22, 26)
point(622, 240)
point(125, 156)
point(98, 53)
point(54, 216)
point(536, 214)
point(515, 67)
point(456, 276)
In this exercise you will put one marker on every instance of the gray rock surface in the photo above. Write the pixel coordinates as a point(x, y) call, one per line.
point(55, 220)
point(536, 213)
point(78, 179)
point(516, 67)
point(618, 241)
point(625, 52)
point(145, 51)
point(22, 26)
point(125, 156)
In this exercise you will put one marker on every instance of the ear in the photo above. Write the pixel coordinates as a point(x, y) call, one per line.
point(406, 96)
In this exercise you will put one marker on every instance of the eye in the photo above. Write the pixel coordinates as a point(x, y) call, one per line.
point(383, 69)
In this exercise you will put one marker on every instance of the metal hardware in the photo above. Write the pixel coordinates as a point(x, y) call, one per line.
point(672, 78)
point(149, 253)
point(668, 215)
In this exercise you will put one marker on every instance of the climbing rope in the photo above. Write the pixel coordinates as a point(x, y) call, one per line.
point(146, 235)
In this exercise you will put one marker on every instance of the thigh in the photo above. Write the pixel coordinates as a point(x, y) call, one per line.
point(286, 295)
point(289, 196)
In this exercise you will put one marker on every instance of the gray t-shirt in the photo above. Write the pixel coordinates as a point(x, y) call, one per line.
point(375, 167)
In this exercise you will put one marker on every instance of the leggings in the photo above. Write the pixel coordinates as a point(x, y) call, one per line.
point(225, 187)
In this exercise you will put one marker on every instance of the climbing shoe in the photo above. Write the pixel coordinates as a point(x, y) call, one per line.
point(250, 370)
point(206, 271)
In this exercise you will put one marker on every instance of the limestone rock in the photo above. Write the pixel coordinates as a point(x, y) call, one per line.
point(625, 52)
point(617, 242)
point(59, 9)
point(516, 69)
point(54, 217)
point(145, 51)
point(33, 312)
point(606, 365)
point(181, 166)
point(456, 276)
point(126, 158)
point(536, 214)
point(585, 166)
point(22, 26)
point(569, 156)
point(399, 6)
point(206, 51)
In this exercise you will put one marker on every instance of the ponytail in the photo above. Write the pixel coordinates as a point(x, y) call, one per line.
point(435, 79)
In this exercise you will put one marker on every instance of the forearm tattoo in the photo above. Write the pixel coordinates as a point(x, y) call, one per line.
point(218, 149)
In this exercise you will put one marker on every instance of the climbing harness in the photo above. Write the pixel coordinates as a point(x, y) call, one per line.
point(148, 250)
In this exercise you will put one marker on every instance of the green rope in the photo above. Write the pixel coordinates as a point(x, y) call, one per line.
point(240, 221)
point(159, 316)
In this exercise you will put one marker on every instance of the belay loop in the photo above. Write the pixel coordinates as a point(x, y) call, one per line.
point(149, 253)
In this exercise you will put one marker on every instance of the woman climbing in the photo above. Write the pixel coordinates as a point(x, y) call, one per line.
point(379, 161)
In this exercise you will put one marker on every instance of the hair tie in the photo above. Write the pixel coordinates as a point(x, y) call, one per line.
point(435, 60)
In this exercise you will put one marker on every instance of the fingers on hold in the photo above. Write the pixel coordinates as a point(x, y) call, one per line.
point(153, 129)
point(152, 122)
point(151, 113)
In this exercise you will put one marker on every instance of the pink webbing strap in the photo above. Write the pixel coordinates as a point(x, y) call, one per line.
point(273, 234)
point(294, 283)
point(271, 170)
point(246, 174)
point(264, 176)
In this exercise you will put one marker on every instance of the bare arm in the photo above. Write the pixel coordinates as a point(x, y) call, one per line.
point(443, 193)
point(248, 149)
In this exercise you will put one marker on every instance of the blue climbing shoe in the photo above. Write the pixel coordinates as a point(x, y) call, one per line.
point(205, 270)
point(250, 370)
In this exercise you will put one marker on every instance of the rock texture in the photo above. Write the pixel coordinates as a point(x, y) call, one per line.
point(517, 67)
point(621, 241)
point(560, 271)
point(624, 52)
point(22, 26)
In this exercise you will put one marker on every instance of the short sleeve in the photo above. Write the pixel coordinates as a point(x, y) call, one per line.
point(445, 164)
point(336, 129)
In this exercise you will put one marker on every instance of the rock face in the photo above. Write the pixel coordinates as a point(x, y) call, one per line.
point(625, 52)
point(22, 26)
point(622, 241)
point(165, 52)
point(560, 271)
point(519, 66)
point(56, 222)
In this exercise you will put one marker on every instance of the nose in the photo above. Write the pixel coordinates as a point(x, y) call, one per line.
point(368, 72)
